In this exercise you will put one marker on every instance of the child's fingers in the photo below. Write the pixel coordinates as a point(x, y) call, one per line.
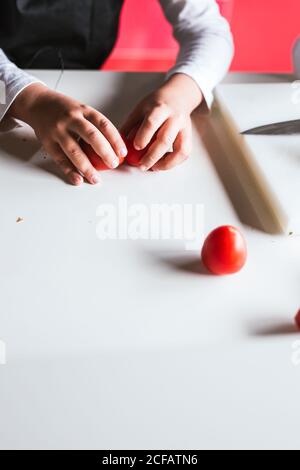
point(73, 151)
point(165, 139)
point(132, 121)
point(90, 134)
point(181, 152)
point(65, 165)
point(110, 132)
point(132, 134)
point(152, 122)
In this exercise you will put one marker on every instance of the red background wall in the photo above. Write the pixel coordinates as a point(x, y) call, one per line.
point(264, 32)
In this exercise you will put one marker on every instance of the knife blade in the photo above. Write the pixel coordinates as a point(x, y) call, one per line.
point(278, 128)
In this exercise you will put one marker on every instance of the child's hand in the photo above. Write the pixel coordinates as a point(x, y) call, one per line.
point(58, 121)
point(166, 114)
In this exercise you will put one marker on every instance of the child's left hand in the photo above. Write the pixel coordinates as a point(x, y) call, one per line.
point(166, 113)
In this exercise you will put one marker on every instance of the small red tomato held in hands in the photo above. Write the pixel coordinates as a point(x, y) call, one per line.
point(297, 319)
point(94, 158)
point(224, 251)
point(134, 156)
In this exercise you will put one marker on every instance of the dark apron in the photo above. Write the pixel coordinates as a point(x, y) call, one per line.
point(45, 33)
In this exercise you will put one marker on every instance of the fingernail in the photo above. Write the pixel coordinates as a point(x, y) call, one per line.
point(77, 180)
point(143, 168)
point(123, 152)
point(137, 146)
point(115, 163)
point(95, 179)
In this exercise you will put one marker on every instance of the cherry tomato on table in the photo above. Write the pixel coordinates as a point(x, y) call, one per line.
point(224, 251)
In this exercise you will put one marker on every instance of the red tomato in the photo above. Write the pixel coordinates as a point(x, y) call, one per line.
point(134, 156)
point(297, 319)
point(94, 158)
point(224, 251)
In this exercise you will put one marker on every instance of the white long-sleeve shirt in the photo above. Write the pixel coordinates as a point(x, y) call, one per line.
point(204, 37)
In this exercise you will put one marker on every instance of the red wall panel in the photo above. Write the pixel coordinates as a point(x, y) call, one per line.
point(264, 31)
point(145, 39)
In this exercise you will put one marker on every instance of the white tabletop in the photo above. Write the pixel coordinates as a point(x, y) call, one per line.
point(125, 344)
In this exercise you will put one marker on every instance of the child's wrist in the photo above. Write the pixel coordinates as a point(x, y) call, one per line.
point(186, 90)
point(22, 106)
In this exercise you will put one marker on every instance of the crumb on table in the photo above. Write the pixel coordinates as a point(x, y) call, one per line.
point(19, 220)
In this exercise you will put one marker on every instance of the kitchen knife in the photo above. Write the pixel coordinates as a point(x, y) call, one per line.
point(278, 128)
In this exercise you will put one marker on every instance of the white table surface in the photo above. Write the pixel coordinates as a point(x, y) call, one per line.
point(118, 344)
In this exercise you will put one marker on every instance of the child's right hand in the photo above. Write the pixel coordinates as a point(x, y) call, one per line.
point(58, 121)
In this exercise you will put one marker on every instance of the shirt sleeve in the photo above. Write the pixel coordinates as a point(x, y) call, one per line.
point(12, 82)
point(205, 40)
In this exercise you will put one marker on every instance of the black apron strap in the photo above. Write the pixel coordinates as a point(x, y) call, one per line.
point(43, 33)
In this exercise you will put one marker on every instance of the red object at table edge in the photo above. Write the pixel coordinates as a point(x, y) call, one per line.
point(297, 319)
